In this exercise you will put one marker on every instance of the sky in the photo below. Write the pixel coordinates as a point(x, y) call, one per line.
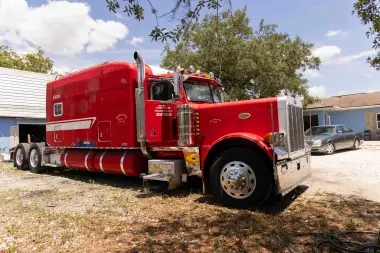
point(77, 34)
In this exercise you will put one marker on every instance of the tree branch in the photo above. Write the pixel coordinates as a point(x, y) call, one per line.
point(154, 11)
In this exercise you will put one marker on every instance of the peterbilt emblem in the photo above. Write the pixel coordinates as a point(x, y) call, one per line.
point(244, 115)
point(121, 118)
point(215, 121)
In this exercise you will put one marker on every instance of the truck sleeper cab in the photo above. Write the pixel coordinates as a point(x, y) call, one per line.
point(121, 118)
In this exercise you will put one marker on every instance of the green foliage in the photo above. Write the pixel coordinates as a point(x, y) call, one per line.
point(36, 62)
point(189, 12)
point(251, 63)
point(369, 13)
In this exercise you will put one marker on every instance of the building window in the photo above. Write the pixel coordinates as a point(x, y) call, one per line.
point(378, 120)
point(58, 109)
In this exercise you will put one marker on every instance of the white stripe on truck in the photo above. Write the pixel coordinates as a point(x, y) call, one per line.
point(75, 124)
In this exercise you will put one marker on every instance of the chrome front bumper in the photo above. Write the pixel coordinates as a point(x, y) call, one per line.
point(290, 174)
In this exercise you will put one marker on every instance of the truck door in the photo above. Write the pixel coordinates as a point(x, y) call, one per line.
point(159, 113)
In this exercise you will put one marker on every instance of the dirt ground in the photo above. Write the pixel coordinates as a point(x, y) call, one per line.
point(349, 172)
point(76, 211)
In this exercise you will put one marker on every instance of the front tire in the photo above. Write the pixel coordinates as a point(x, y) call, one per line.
point(21, 156)
point(240, 178)
point(330, 148)
point(35, 159)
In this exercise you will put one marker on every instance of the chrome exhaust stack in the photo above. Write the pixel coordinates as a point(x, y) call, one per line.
point(140, 104)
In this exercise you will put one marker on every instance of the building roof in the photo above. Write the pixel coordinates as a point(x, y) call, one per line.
point(367, 99)
point(23, 93)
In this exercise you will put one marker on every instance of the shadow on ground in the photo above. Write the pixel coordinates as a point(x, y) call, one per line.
point(233, 230)
point(117, 181)
point(275, 203)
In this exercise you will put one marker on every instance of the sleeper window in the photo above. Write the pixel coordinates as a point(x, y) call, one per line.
point(58, 109)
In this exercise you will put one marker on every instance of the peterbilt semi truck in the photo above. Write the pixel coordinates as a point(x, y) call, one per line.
point(119, 118)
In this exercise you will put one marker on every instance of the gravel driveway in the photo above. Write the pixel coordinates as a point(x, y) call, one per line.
point(351, 172)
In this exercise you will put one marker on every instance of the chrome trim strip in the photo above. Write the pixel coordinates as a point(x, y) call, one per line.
point(122, 163)
point(65, 159)
point(101, 161)
point(188, 149)
point(85, 160)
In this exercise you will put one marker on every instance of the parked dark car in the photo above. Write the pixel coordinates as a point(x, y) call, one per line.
point(328, 139)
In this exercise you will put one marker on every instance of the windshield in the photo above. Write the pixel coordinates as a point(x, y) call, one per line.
point(320, 131)
point(197, 91)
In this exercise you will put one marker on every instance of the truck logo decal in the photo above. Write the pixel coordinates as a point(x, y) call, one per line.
point(121, 118)
point(244, 115)
point(215, 121)
point(163, 110)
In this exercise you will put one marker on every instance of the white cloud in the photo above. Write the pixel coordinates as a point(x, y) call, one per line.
point(362, 54)
point(326, 53)
point(105, 34)
point(311, 73)
point(136, 40)
point(318, 91)
point(333, 33)
point(59, 27)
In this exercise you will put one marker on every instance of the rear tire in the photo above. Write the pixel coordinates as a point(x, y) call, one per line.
point(35, 159)
point(240, 178)
point(21, 156)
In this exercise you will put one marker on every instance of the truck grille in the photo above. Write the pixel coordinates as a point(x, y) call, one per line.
point(296, 134)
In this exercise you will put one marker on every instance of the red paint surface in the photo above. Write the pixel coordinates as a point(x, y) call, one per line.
point(106, 92)
point(221, 121)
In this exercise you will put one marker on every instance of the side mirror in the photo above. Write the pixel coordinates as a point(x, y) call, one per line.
point(339, 132)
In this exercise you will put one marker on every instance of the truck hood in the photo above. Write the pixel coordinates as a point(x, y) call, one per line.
point(250, 116)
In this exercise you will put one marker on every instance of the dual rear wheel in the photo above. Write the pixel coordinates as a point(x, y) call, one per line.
point(28, 156)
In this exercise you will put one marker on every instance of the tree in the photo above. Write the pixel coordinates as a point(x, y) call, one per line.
point(369, 13)
point(251, 64)
point(189, 12)
point(36, 62)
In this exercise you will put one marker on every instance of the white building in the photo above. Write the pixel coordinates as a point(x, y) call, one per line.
point(22, 103)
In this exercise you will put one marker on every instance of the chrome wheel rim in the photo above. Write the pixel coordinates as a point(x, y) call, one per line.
point(238, 179)
point(19, 157)
point(33, 158)
point(356, 144)
point(330, 148)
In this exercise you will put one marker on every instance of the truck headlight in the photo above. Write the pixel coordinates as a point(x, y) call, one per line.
point(317, 143)
point(276, 138)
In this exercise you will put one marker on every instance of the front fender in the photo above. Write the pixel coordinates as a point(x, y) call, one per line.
point(256, 139)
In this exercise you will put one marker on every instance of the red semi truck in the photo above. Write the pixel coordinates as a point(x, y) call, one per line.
point(119, 118)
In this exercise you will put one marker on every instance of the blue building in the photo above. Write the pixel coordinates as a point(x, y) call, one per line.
point(22, 106)
point(359, 111)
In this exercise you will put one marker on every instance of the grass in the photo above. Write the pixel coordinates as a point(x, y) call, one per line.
point(109, 214)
